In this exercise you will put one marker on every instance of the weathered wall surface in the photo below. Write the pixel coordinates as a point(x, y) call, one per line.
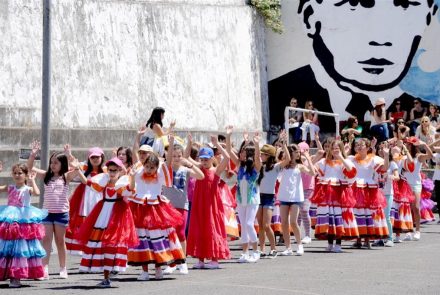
point(113, 61)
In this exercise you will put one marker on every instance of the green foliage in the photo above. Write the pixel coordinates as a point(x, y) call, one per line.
point(271, 12)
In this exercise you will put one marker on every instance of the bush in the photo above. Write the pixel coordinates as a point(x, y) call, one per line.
point(271, 12)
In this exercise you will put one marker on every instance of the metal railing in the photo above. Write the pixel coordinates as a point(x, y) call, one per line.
point(287, 124)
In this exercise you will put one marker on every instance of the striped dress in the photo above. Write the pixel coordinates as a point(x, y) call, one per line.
point(155, 219)
point(109, 229)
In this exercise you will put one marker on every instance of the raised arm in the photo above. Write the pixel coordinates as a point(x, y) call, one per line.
point(286, 159)
point(170, 152)
point(35, 190)
point(35, 148)
point(194, 171)
point(224, 163)
point(424, 157)
point(232, 155)
point(137, 142)
point(257, 157)
point(310, 167)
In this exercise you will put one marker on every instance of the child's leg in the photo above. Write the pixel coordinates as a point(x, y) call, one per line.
point(47, 242)
point(294, 212)
point(267, 218)
point(284, 213)
point(251, 212)
point(60, 234)
point(244, 236)
point(415, 209)
point(106, 274)
point(388, 216)
point(261, 229)
point(305, 217)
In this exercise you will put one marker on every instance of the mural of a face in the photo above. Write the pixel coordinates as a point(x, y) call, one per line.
point(358, 44)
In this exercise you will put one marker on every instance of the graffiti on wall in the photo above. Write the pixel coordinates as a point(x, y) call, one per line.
point(359, 50)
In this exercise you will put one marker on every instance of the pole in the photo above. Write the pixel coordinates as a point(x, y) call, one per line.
point(46, 91)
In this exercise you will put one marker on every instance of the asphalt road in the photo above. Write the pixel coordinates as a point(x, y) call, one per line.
point(408, 268)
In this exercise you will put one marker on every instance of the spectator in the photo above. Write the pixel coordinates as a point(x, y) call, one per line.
point(310, 124)
point(395, 113)
point(352, 129)
point(379, 126)
point(434, 116)
point(425, 131)
point(417, 112)
point(401, 131)
point(294, 122)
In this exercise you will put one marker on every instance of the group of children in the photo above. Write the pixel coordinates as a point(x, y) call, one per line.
point(150, 205)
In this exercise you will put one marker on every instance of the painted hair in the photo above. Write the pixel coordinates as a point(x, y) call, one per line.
point(155, 117)
point(62, 158)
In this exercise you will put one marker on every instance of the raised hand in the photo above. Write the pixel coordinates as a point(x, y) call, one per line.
point(142, 130)
point(229, 129)
point(256, 139)
point(31, 175)
point(386, 150)
point(35, 147)
point(173, 124)
point(246, 136)
point(214, 140)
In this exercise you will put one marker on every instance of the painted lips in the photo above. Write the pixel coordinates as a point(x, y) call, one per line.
point(375, 62)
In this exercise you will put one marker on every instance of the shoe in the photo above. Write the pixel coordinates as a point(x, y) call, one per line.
point(389, 243)
point(397, 240)
point(408, 237)
point(63, 273)
point(144, 276)
point(416, 236)
point(287, 252)
point(356, 245)
point(46, 274)
point(169, 270)
point(306, 240)
point(300, 250)
point(244, 258)
point(183, 269)
point(113, 274)
point(366, 245)
point(255, 256)
point(272, 254)
point(106, 283)
point(14, 283)
point(329, 248)
point(378, 243)
point(199, 265)
point(212, 265)
point(159, 273)
point(336, 249)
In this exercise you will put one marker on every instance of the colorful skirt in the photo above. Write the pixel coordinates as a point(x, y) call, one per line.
point(401, 217)
point(21, 252)
point(333, 216)
point(106, 235)
point(155, 228)
point(370, 217)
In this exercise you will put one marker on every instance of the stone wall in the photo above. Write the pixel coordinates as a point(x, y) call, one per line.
point(113, 61)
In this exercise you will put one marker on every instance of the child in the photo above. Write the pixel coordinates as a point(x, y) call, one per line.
point(370, 200)
point(109, 229)
point(84, 199)
point(268, 177)
point(309, 186)
point(291, 194)
point(56, 188)
point(248, 193)
point(21, 230)
point(155, 218)
point(126, 156)
point(334, 199)
point(182, 171)
point(207, 233)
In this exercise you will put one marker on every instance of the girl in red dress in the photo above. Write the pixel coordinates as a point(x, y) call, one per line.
point(207, 237)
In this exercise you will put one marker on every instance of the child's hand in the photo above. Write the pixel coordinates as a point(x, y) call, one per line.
point(256, 138)
point(386, 151)
point(32, 175)
point(229, 129)
point(171, 139)
point(132, 172)
point(67, 150)
point(189, 138)
point(246, 136)
point(35, 147)
point(141, 130)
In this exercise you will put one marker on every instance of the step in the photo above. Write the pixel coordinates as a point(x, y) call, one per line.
point(19, 116)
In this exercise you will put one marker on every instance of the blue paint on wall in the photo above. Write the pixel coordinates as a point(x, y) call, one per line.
point(423, 84)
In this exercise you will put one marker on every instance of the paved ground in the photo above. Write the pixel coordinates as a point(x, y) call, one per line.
point(408, 268)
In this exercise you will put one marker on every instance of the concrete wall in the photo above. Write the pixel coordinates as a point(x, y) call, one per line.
point(113, 61)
